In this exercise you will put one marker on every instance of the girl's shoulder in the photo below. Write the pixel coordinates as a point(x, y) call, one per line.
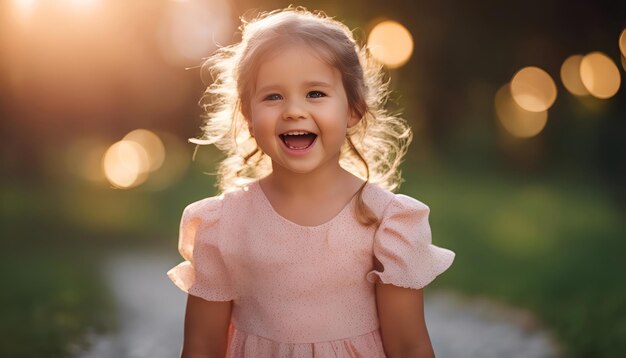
point(214, 205)
point(383, 201)
point(203, 211)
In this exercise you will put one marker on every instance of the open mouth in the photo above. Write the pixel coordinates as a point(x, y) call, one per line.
point(298, 140)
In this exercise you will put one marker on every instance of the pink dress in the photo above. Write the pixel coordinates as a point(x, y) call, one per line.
point(303, 291)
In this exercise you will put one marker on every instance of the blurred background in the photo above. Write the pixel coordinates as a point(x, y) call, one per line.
point(519, 114)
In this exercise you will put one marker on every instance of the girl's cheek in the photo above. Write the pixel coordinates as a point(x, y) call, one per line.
point(265, 109)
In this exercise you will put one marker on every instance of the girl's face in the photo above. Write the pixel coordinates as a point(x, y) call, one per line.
point(299, 113)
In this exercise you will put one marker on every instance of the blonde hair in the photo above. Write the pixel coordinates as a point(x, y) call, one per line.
point(374, 147)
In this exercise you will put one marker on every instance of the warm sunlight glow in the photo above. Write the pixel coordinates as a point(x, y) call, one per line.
point(533, 89)
point(24, 5)
point(83, 4)
point(390, 43)
point(191, 30)
point(600, 75)
point(126, 164)
point(516, 120)
point(151, 143)
point(570, 75)
point(24, 8)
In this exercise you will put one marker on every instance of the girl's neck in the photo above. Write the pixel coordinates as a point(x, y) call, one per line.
point(312, 198)
point(321, 181)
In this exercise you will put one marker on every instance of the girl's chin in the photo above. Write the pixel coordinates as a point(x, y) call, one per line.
point(298, 166)
point(297, 169)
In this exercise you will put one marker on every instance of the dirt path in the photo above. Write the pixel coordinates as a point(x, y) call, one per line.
point(150, 309)
point(463, 327)
point(151, 313)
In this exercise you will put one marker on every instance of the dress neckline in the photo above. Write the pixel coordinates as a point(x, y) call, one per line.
point(257, 187)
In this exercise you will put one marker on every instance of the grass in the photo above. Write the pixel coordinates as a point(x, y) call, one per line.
point(551, 244)
point(52, 297)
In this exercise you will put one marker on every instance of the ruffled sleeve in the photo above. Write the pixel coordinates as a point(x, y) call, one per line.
point(204, 273)
point(403, 245)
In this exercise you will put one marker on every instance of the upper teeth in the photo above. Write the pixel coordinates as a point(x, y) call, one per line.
point(296, 133)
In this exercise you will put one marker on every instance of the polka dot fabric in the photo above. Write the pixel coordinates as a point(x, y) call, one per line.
point(303, 291)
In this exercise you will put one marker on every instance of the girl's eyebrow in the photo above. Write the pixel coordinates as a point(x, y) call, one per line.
point(317, 84)
point(275, 87)
point(268, 88)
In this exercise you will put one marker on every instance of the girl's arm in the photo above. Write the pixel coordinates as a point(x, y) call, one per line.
point(402, 323)
point(206, 328)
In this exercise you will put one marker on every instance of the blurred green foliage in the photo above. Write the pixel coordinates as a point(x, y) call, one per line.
point(553, 244)
point(53, 298)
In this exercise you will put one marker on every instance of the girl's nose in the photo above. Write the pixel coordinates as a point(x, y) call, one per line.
point(294, 110)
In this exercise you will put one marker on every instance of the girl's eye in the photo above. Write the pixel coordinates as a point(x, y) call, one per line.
point(273, 97)
point(316, 94)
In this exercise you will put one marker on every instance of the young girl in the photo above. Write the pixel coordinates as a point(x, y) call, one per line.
point(306, 253)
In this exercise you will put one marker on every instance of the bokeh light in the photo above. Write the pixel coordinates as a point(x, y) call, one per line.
point(570, 76)
point(600, 75)
point(517, 121)
point(533, 89)
point(151, 143)
point(126, 164)
point(390, 43)
point(190, 30)
point(142, 157)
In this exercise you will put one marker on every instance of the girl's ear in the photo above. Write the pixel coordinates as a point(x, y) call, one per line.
point(249, 123)
point(353, 120)
point(250, 128)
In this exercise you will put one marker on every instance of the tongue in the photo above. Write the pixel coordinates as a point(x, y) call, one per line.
point(299, 141)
